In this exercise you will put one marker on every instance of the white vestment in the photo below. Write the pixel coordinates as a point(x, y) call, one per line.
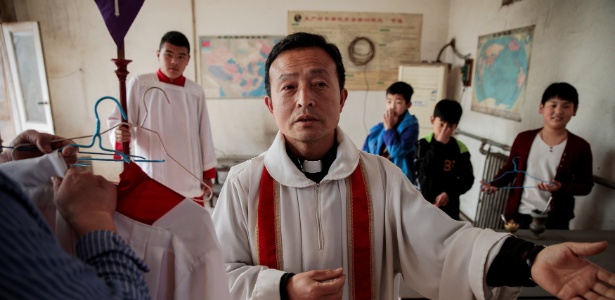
point(438, 257)
point(180, 248)
point(183, 125)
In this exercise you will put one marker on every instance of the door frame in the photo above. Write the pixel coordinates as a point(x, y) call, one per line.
point(17, 103)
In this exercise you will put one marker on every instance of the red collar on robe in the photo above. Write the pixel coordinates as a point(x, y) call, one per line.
point(360, 229)
point(180, 81)
point(142, 198)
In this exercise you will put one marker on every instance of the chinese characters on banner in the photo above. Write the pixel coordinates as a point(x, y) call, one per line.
point(373, 45)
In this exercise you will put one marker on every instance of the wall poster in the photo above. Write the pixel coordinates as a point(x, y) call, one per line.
point(373, 45)
point(234, 66)
point(501, 70)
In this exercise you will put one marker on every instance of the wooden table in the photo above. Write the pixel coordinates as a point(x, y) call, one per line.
point(605, 259)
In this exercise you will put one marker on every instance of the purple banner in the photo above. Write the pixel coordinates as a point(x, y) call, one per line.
point(118, 16)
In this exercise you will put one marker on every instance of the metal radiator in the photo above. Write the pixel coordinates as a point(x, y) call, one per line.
point(491, 206)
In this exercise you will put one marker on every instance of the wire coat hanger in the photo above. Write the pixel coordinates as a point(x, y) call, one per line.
point(97, 135)
point(145, 105)
point(164, 149)
point(125, 157)
point(515, 170)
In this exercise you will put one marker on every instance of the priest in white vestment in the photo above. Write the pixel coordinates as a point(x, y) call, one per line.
point(315, 218)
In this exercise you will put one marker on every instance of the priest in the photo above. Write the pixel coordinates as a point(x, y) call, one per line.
point(316, 218)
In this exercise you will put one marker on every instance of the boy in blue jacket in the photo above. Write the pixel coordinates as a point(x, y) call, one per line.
point(396, 136)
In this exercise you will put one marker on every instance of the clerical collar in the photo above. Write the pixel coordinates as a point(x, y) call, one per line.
point(180, 81)
point(314, 170)
point(312, 166)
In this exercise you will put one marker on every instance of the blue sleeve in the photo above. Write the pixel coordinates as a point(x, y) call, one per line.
point(115, 263)
point(365, 148)
point(400, 144)
point(371, 141)
point(34, 266)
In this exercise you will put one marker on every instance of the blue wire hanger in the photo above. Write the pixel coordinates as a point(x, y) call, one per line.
point(97, 135)
point(125, 157)
point(515, 170)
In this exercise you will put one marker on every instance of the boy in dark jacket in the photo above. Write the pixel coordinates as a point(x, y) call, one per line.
point(443, 166)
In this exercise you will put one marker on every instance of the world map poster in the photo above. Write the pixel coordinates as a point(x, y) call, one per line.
point(234, 66)
point(501, 70)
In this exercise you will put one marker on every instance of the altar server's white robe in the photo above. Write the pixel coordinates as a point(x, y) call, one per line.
point(183, 125)
point(438, 257)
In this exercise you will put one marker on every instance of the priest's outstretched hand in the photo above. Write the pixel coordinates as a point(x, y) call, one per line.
point(563, 271)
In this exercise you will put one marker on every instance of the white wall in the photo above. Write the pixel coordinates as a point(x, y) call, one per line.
point(574, 42)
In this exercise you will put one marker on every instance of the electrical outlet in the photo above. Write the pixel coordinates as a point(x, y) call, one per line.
point(466, 72)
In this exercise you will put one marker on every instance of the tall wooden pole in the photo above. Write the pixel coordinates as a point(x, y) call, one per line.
point(122, 73)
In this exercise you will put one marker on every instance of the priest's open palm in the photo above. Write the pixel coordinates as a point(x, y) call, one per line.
point(563, 271)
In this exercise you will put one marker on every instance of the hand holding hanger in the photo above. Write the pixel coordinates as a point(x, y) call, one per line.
point(543, 185)
point(122, 133)
point(552, 186)
point(31, 143)
point(487, 187)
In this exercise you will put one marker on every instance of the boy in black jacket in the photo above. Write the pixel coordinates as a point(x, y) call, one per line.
point(443, 167)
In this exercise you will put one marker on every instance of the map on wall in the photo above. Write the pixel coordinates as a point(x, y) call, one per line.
point(373, 45)
point(501, 70)
point(234, 66)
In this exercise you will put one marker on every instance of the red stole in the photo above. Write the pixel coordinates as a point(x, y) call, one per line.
point(268, 233)
point(359, 224)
